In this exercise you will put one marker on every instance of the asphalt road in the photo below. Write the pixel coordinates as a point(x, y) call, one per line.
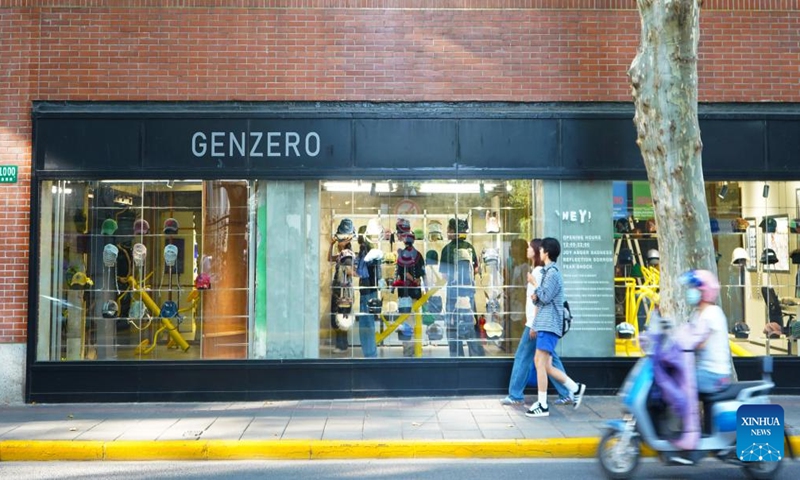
point(366, 469)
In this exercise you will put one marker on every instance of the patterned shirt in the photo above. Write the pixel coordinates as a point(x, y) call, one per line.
point(550, 302)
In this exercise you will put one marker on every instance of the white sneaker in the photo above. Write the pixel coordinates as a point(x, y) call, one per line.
point(537, 410)
point(577, 397)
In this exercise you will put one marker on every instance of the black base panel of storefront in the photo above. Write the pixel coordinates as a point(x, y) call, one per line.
point(257, 380)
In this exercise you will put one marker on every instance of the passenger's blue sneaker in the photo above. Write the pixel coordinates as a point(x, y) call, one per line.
point(563, 401)
point(510, 401)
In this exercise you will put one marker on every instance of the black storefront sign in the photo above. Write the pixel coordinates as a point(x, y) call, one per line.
point(400, 141)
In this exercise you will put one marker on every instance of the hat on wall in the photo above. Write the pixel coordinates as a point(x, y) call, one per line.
point(457, 225)
point(109, 226)
point(80, 281)
point(110, 253)
point(431, 257)
point(794, 225)
point(170, 226)
point(795, 256)
point(140, 226)
point(739, 256)
point(345, 230)
point(768, 225)
point(110, 309)
point(739, 225)
point(769, 257)
point(137, 310)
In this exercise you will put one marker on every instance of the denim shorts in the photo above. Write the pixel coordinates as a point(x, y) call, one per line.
point(546, 341)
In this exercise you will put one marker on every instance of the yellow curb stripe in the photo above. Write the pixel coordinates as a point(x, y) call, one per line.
point(157, 450)
point(259, 449)
point(47, 450)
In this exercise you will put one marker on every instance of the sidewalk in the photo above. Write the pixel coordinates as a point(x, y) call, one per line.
point(441, 427)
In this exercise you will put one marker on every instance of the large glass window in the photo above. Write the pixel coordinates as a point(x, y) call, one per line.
point(445, 269)
point(191, 269)
point(144, 270)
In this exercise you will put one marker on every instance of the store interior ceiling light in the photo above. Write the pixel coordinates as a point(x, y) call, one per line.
point(424, 188)
point(379, 187)
point(456, 187)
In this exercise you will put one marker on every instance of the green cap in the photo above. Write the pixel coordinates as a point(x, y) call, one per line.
point(109, 226)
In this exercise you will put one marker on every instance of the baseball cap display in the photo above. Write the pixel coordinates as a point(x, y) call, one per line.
point(457, 225)
point(409, 238)
point(139, 254)
point(768, 225)
point(137, 310)
point(794, 225)
point(109, 226)
point(203, 281)
point(140, 226)
point(345, 230)
point(374, 232)
point(625, 330)
point(403, 228)
point(169, 309)
point(80, 281)
point(653, 257)
point(435, 332)
point(435, 231)
point(170, 226)
point(110, 253)
point(795, 256)
point(741, 330)
point(110, 309)
point(768, 257)
point(739, 225)
point(170, 255)
point(625, 256)
point(432, 257)
point(739, 256)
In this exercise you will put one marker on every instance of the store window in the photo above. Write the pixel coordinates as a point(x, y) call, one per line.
point(268, 269)
point(423, 268)
point(755, 227)
point(143, 270)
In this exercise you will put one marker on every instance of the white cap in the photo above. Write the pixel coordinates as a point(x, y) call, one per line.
point(739, 256)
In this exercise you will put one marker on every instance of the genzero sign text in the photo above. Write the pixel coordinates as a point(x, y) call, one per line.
point(255, 144)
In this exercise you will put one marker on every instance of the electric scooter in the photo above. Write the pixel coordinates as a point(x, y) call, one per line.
point(649, 423)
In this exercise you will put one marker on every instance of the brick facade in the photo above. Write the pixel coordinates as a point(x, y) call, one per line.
point(356, 50)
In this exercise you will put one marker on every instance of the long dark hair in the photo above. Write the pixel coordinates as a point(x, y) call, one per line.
point(536, 243)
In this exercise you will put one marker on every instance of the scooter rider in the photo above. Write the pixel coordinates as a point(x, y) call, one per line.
point(709, 327)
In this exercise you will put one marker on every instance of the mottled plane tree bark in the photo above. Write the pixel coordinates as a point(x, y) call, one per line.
point(664, 80)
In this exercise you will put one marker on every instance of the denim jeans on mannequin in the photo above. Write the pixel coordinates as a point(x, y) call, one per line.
point(366, 325)
point(523, 363)
point(454, 341)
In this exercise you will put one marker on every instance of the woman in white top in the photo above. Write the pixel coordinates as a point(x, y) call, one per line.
point(710, 326)
point(523, 358)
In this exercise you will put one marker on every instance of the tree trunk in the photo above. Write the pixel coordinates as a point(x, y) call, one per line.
point(664, 80)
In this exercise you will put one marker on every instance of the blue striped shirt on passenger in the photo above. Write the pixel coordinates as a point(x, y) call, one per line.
point(550, 316)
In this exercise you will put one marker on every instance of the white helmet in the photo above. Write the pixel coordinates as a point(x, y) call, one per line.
point(653, 257)
point(739, 256)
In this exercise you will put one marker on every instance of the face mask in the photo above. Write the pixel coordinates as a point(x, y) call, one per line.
point(693, 296)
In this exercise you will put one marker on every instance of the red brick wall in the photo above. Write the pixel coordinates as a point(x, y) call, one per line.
point(377, 50)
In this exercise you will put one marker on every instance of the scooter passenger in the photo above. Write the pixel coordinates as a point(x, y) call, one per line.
point(709, 327)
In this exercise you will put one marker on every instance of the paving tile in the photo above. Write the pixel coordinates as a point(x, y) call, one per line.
point(231, 428)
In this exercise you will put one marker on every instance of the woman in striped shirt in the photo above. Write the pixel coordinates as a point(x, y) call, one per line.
point(548, 325)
